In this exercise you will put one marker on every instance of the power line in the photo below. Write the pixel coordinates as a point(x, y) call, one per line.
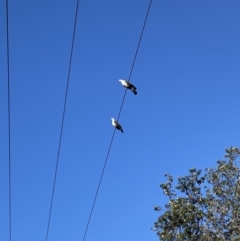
point(109, 149)
point(63, 117)
point(99, 184)
point(9, 129)
point(135, 56)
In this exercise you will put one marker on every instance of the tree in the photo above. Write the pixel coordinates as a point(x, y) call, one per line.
point(203, 207)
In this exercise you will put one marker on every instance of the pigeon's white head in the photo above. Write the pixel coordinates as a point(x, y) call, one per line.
point(112, 119)
point(125, 83)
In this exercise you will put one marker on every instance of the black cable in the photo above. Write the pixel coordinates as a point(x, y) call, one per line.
point(99, 184)
point(134, 60)
point(109, 149)
point(9, 130)
point(63, 117)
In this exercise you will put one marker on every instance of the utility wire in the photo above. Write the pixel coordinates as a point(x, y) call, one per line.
point(109, 149)
point(63, 117)
point(9, 129)
point(134, 60)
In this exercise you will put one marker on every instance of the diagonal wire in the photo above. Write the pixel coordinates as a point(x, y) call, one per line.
point(99, 184)
point(63, 117)
point(9, 129)
point(134, 60)
point(120, 110)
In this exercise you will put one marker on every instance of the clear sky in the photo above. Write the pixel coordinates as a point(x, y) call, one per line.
point(185, 114)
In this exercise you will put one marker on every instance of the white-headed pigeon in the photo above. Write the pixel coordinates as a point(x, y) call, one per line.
point(116, 125)
point(128, 85)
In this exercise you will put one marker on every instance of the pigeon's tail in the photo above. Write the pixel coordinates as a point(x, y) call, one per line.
point(121, 130)
point(134, 91)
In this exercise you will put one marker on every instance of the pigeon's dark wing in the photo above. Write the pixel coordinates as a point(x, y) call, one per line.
point(131, 86)
point(118, 126)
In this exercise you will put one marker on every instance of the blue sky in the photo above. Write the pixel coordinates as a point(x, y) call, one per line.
point(185, 114)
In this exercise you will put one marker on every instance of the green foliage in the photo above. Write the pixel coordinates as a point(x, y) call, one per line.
point(203, 207)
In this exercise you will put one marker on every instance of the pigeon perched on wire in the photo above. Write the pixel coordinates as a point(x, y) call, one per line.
point(128, 85)
point(116, 125)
